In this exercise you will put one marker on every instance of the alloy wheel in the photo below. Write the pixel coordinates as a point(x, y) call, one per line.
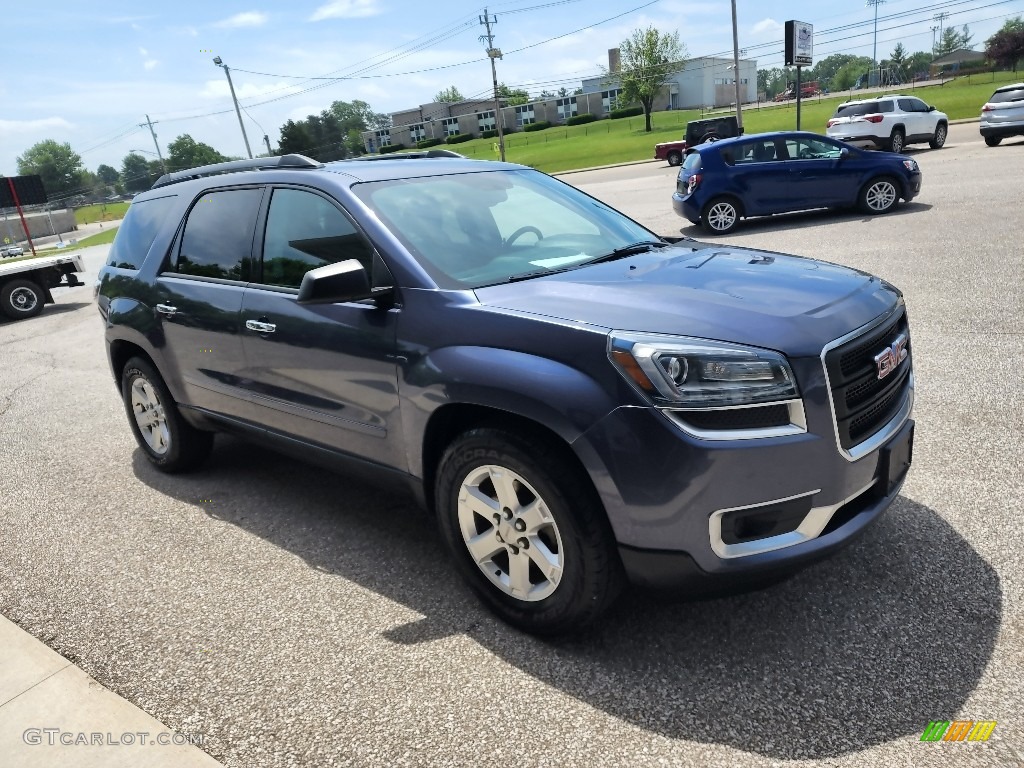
point(881, 196)
point(24, 299)
point(722, 216)
point(150, 416)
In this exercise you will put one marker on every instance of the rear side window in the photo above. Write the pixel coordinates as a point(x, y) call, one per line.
point(1000, 97)
point(217, 241)
point(305, 231)
point(137, 232)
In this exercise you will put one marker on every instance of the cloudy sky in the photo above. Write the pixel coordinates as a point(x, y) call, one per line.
point(89, 73)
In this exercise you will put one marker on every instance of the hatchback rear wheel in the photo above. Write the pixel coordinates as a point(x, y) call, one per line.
point(721, 215)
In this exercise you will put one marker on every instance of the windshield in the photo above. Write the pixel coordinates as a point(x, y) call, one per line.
point(474, 229)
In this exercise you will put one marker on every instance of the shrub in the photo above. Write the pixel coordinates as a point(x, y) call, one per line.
point(459, 138)
point(428, 143)
point(537, 126)
point(389, 148)
point(489, 134)
point(581, 119)
point(627, 112)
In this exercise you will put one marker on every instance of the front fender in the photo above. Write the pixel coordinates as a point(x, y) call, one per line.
point(563, 399)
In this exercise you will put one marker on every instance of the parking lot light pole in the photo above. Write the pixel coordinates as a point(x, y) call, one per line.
point(736, 65)
point(217, 60)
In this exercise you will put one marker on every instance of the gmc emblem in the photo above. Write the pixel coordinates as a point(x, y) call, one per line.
point(889, 359)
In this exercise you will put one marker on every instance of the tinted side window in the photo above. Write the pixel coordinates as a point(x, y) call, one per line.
point(908, 105)
point(918, 105)
point(753, 152)
point(885, 107)
point(305, 231)
point(137, 232)
point(217, 241)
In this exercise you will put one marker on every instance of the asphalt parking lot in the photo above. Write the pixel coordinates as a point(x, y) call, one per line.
point(295, 617)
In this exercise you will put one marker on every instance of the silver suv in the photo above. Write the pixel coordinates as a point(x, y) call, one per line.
point(889, 123)
point(1003, 114)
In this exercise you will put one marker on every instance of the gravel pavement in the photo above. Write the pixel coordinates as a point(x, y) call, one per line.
point(297, 617)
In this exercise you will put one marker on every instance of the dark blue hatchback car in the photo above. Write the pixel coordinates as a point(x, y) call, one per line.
point(725, 181)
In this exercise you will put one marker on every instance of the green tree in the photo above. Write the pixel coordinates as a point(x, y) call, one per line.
point(57, 164)
point(135, 173)
point(185, 152)
point(847, 76)
point(953, 40)
point(513, 96)
point(295, 139)
point(826, 69)
point(1006, 47)
point(772, 81)
point(107, 174)
point(647, 59)
point(898, 59)
point(965, 37)
point(449, 95)
point(917, 64)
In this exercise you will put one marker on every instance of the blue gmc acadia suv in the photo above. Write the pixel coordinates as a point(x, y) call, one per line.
point(577, 400)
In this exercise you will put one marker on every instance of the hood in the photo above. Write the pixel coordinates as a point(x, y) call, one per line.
point(787, 303)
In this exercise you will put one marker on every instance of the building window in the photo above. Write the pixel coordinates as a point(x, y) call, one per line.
point(610, 99)
point(451, 126)
point(524, 115)
point(417, 132)
point(384, 137)
point(567, 108)
point(485, 121)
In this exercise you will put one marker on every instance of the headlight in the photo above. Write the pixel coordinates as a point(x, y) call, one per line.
point(695, 373)
point(910, 165)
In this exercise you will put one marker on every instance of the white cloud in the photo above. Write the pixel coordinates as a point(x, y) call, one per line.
point(245, 19)
point(143, 52)
point(345, 9)
point(767, 27)
point(14, 127)
point(150, 64)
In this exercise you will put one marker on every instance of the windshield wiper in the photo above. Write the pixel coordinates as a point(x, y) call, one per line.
point(641, 246)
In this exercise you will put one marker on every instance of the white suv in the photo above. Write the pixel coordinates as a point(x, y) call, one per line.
point(889, 123)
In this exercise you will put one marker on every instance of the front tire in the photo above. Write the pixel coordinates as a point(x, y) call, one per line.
point(21, 299)
point(941, 131)
point(527, 531)
point(720, 216)
point(896, 141)
point(170, 443)
point(993, 141)
point(880, 195)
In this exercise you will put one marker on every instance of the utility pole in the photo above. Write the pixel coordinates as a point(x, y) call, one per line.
point(266, 140)
point(940, 17)
point(217, 60)
point(874, 46)
point(153, 133)
point(494, 53)
point(934, 30)
point(736, 69)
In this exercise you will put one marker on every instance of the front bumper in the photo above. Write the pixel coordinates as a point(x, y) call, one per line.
point(670, 496)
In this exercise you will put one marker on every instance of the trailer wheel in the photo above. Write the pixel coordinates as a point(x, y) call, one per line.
point(20, 299)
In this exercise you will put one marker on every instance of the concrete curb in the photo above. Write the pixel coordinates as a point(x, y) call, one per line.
point(53, 713)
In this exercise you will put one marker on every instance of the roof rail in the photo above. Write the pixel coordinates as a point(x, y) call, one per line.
point(285, 161)
point(410, 155)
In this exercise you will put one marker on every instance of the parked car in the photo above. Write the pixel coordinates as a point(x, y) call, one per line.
point(1003, 114)
point(889, 123)
point(11, 250)
point(574, 398)
point(697, 132)
point(768, 173)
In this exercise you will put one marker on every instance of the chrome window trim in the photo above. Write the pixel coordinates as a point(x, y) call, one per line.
point(810, 527)
point(876, 440)
point(797, 422)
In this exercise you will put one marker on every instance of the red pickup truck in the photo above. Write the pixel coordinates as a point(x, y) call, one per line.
point(697, 132)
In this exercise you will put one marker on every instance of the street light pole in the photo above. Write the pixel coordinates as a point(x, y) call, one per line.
point(217, 60)
point(736, 65)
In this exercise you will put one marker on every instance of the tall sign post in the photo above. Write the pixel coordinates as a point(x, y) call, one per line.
point(799, 53)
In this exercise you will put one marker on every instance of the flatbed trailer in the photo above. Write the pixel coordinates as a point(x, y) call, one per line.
point(25, 284)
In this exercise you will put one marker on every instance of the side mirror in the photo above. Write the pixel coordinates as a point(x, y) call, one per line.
point(844, 153)
point(931, 108)
point(338, 282)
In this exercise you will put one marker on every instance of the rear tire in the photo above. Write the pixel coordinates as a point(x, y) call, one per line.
point(896, 141)
point(496, 490)
point(675, 157)
point(21, 299)
point(941, 131)
point(993, 141)
point(170, 443)
point(720, 216)
point(880, 195)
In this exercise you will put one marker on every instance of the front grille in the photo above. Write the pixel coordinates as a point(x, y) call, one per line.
point(759, 417)
point(863, 402)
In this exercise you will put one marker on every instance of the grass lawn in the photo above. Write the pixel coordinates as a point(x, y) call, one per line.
point(100, 238)
point(563, 148)
point(101, 212)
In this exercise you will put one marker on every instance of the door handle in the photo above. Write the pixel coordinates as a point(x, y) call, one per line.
point(166, 309)
point(256, 325)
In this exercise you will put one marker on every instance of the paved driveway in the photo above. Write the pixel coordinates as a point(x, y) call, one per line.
point(303, 618)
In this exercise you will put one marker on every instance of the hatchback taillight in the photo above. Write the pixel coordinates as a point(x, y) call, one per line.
point(831, 123)
point(873, 118)
point(987, 108)
point(693, 183)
